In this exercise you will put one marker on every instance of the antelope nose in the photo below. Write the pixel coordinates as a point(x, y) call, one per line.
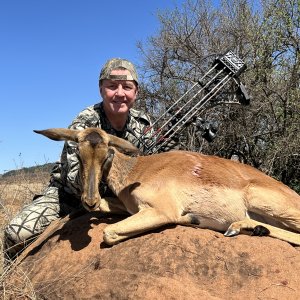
point(91, 207)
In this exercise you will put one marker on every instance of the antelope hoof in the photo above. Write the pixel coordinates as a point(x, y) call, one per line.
point(232, 232)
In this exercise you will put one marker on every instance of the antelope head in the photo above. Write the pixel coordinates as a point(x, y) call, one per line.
point(95, 154)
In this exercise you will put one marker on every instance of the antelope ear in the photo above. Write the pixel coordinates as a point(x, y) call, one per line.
point(122, 145)
point(59, 134)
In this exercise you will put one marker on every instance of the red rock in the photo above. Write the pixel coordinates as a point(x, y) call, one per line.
point(174, 262)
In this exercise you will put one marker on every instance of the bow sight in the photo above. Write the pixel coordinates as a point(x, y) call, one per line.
point(189, 106)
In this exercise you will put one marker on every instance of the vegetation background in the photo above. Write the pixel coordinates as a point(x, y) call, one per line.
point(264, 134)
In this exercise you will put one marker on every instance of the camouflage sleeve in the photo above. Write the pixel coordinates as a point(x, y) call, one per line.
point(139, 130)
point(65, 173)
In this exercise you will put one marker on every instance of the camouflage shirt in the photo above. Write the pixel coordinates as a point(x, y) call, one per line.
point(65, 172)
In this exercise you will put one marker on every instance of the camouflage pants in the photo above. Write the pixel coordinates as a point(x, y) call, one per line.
point(33, 219)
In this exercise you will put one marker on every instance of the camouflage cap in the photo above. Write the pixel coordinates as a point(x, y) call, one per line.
point(116, 64)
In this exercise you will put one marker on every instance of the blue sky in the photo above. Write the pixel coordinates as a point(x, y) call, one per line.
point(51, 55)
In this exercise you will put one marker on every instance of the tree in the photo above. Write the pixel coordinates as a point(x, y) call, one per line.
point(266, 36)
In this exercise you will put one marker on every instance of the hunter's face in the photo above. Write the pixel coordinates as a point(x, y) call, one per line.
point(118, 95)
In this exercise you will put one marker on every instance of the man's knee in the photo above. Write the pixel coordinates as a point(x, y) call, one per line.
point(29, 223)
point(12, 244)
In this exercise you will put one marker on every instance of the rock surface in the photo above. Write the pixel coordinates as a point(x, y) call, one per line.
point(70, 261)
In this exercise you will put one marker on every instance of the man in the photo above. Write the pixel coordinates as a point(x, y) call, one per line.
point(118, 84)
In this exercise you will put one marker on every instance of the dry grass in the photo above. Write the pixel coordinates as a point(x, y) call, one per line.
point(15, 192)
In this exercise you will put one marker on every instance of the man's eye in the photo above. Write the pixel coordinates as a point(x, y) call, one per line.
point(127, 87)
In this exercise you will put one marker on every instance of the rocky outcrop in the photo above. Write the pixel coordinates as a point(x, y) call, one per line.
point(70, 261)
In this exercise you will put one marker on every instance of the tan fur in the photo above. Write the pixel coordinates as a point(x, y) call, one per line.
point(180, 187)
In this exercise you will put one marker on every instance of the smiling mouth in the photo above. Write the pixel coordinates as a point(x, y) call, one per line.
point(119, 102)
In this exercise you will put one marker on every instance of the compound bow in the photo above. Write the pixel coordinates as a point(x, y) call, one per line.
point(185, 110)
